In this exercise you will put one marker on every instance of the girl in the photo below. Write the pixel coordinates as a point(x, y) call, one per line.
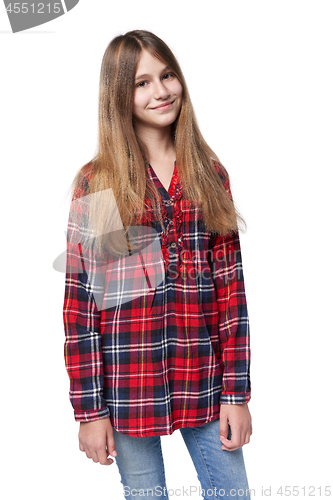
point(155, 314)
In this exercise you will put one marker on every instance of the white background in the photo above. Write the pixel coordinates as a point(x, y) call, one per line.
point(260, 76)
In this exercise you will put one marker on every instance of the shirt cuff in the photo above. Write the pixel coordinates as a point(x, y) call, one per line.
point(235, 399)
point(90, 415)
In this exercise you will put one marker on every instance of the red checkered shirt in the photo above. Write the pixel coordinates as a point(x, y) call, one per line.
point(158, 339)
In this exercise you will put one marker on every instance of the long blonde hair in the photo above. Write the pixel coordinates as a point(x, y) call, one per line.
point(121, 158)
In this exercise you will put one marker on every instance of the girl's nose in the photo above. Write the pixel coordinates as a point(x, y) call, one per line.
point(160, 90)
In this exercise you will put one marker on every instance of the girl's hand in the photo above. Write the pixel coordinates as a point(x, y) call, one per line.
point(96, 439)
point(239, 419)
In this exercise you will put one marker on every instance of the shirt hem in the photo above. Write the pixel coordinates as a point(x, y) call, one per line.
point(167, 432)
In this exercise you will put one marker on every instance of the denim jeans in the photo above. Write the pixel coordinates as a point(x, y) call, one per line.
point(221, 473)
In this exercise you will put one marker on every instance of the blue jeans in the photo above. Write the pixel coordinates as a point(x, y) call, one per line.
point(221, 473)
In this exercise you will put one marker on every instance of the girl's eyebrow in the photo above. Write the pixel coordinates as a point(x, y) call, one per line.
point(146, 75)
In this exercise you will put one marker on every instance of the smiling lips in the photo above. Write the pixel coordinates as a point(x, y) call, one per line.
point(167, 105)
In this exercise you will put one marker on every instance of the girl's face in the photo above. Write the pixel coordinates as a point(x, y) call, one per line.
point(157, 93)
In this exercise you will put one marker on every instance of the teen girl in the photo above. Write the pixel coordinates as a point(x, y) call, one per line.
point(156, 323)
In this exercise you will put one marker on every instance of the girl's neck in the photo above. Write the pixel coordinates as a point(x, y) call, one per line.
point(159, 144)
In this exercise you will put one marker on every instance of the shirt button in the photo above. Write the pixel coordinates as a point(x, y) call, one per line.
point(173, 245)
point(174, 273)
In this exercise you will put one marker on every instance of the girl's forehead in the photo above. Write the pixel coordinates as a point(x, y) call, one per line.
point(147, 59)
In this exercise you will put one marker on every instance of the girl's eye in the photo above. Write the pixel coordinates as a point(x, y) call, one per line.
point(142, 84)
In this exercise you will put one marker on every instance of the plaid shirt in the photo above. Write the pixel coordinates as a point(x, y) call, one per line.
point(157, 340)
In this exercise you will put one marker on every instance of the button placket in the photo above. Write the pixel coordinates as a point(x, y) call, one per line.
point(171, 232)
point(172, 243)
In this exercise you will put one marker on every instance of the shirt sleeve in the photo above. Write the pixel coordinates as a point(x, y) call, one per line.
point(81, 316)
point(234, 334)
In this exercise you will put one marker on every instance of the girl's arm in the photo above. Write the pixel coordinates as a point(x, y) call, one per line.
point(83, 349)
point(234, 337)
point(234, 332)
point(234, 323)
